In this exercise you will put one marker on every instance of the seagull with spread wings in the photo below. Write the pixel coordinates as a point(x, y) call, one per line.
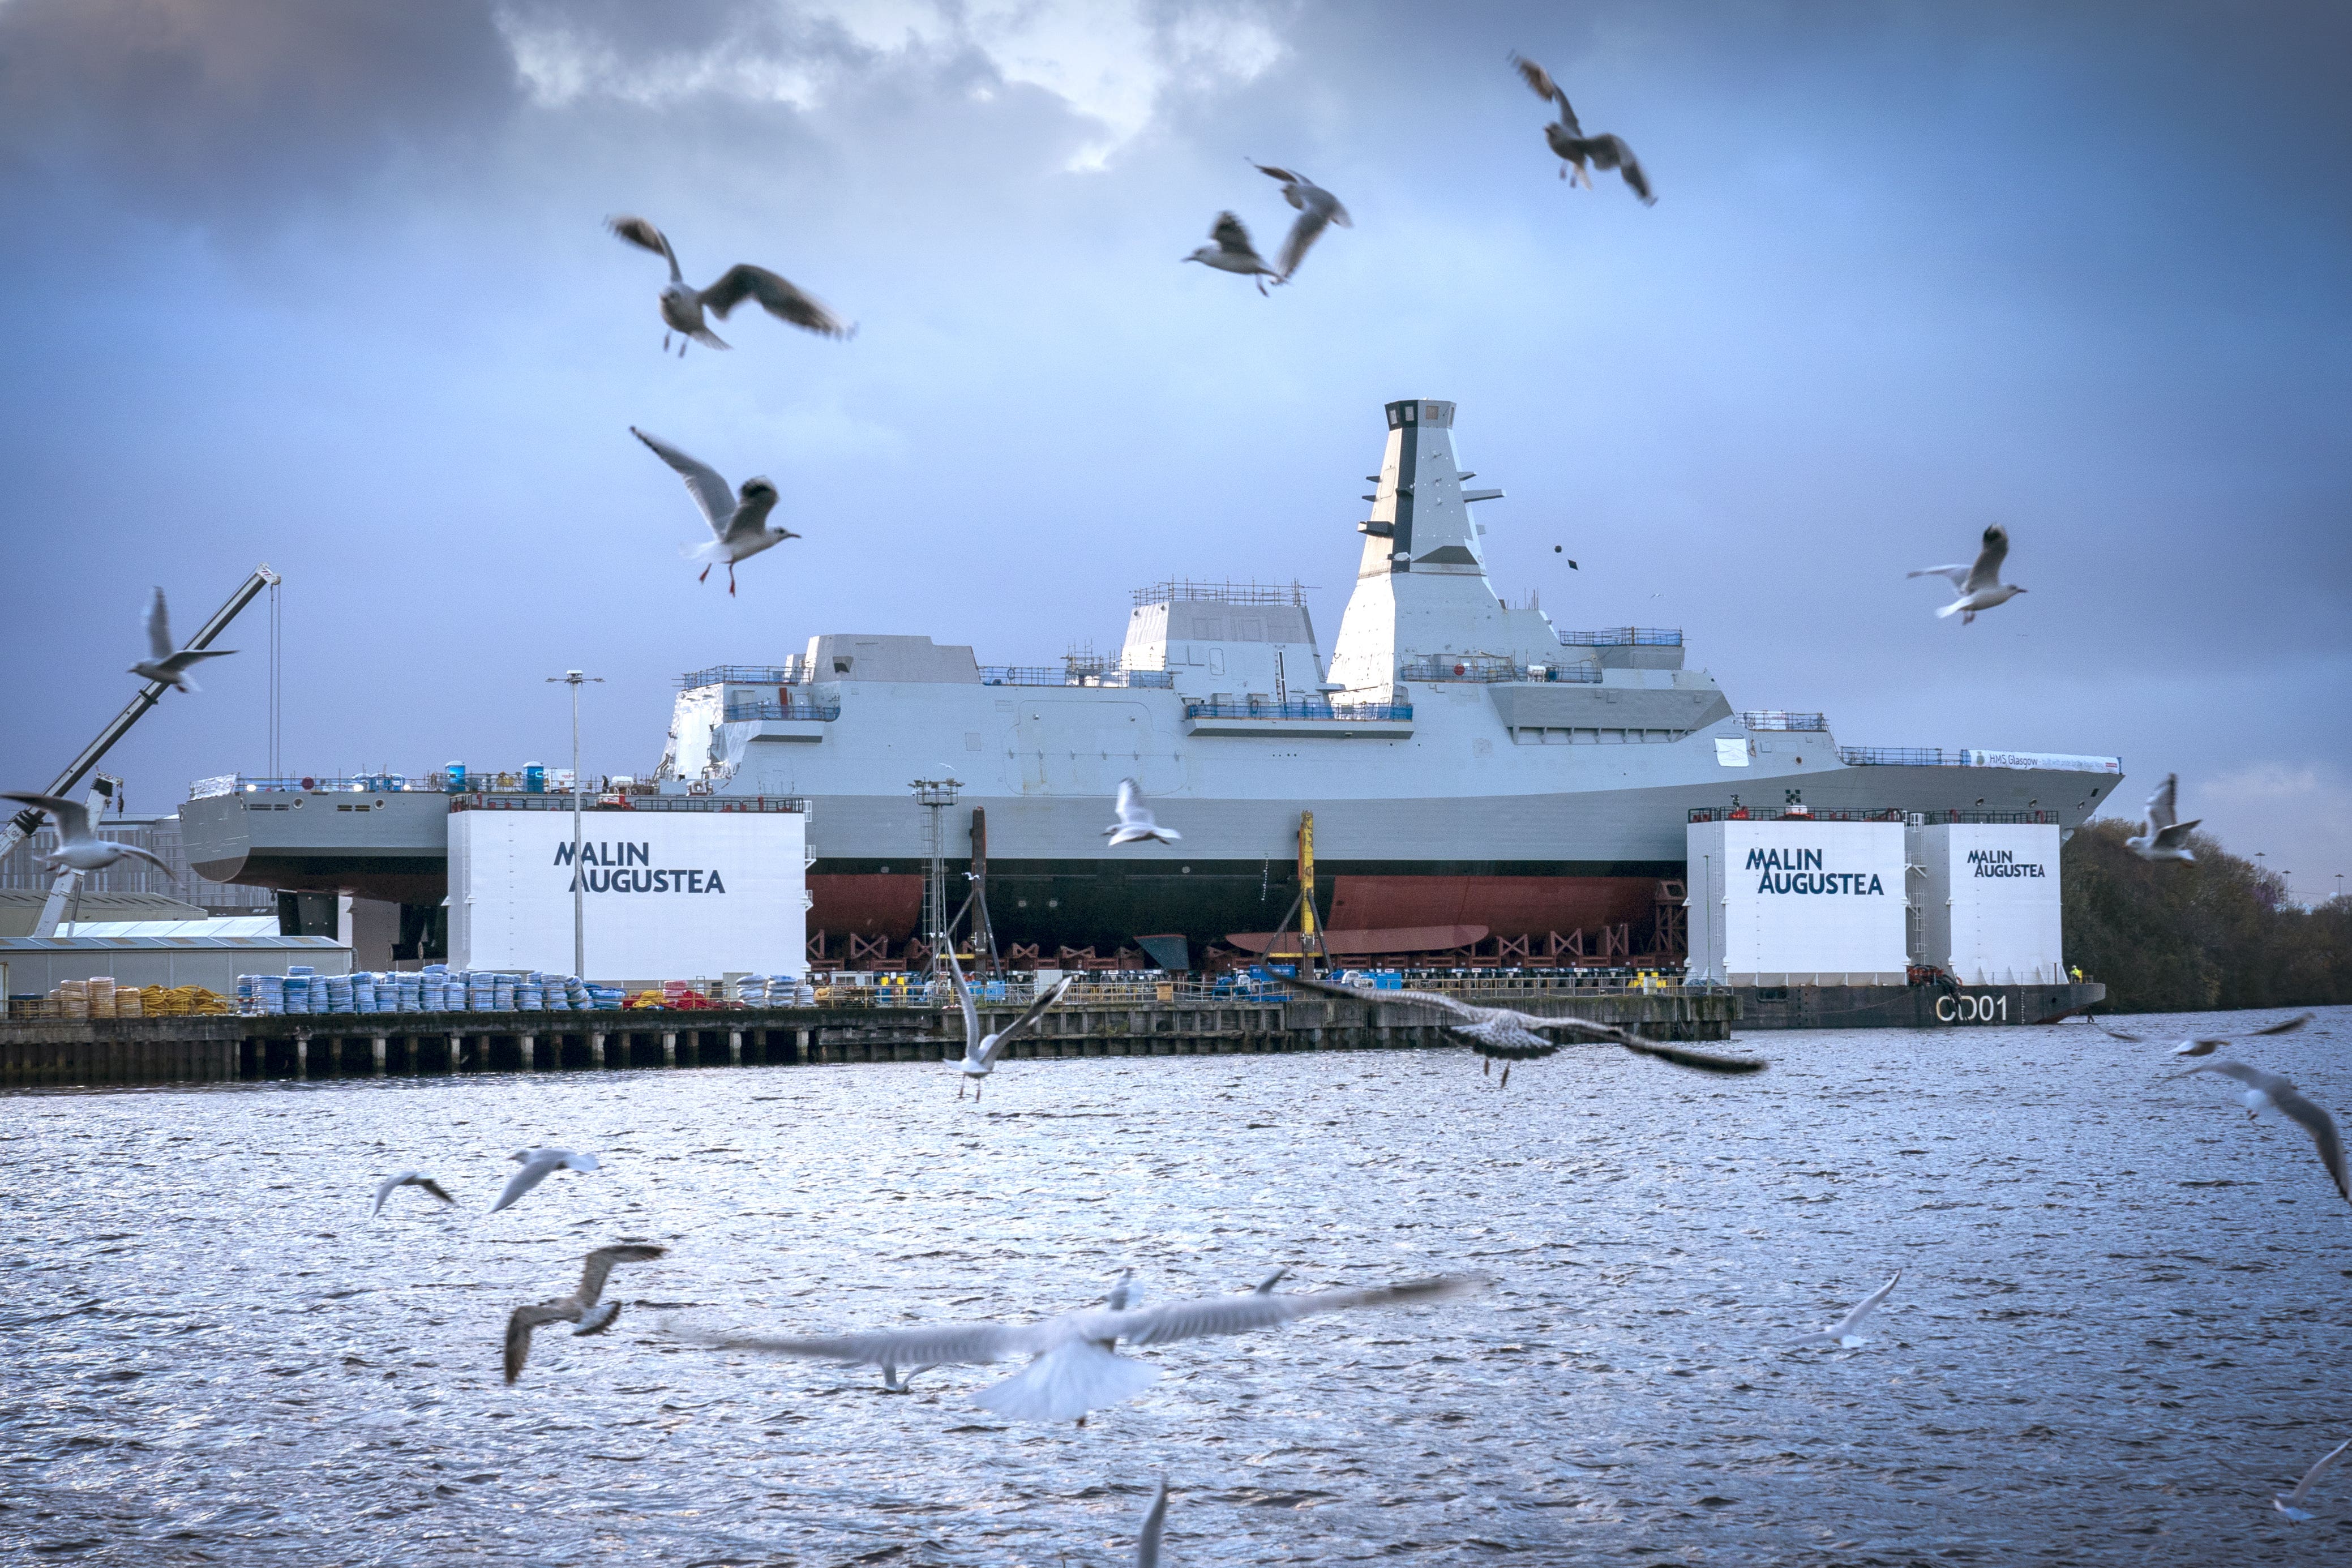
point(1136, 822)
point(2269, 1091)
point(79, 848)
point(166, 661)
point(2206, 1045)
point(1318, 210)
point(538, 1165)
point(582, 1307)
point(1232, 252)
point(682, 306)
point(1074, 1365)
point(2291, 1504)
point(1506, 1035)
point(418, 1179)
point(737, 518)
point(980, 1051)
point(1574, 147)
point(1978, 586)
point(1847, 1331)
point(2166, 837)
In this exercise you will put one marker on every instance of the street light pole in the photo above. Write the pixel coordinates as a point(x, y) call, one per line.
point(575, 679)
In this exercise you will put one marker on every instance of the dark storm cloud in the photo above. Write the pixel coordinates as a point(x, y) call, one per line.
point(191, 102)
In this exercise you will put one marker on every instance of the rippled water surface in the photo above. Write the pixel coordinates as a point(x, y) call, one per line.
point(2122, 1318)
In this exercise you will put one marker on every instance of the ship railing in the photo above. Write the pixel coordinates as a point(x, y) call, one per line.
point(1226, 593)
point(917, 992)
point(785, 674)
point(1492, 671)
point(821, 712)
point(1040, 675)
point(1625, 637)
point(1900, 757)
point(550, 782)
point(622, 801)
point(1782, 719)
point(1345, 713)
point(1852, 814)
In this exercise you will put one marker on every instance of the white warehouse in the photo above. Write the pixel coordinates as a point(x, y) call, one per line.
point(666, 893)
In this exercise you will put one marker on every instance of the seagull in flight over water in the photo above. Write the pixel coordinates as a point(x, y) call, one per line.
point(582, 1307)
point(682, 307)
point(980, 1051)
point(2206, 1045)
point(538, 1165)
point(1233, 253)
point(1317, 209)
point(2291, 1504)
point(1076, 1366)
point(737, 518)
point(165, 660)
point(1135, 819)
point(1510, 1035)
point(1155, 1520)
point(386, 1188)
point(2269, 1091)
point(2166, 837)
point(1847, 1331)
point(1978, 586)
point(1570, 143)
point(79, 848)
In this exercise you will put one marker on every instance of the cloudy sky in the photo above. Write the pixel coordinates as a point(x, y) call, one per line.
point(327, 287)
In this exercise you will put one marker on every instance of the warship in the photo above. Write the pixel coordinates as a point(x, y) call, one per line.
point(1475, 773)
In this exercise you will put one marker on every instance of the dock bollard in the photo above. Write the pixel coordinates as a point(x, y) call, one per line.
point(379, 1056)
point(525, 1041)
point(735, 1048)
point(669, 1048)
point(596, 1050)
point(457, 1052)
point(301, 1056)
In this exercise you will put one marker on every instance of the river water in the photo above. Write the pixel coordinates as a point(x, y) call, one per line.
point(2123, 1319)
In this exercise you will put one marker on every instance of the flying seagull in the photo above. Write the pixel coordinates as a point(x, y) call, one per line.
point(1977, 588)
point(1155, 1520)
point(582, 1307)
point(1506, 1035)
point(2206, 1045)
point(1266, 1286)
point(1134, 820)
point(538, 1165)
point(894, 1383)
point(2166, 837)
point(408, 1179)
point(737, 518)
point(79, 849)
point(682, 307)
point(980, 1051)
point(166, 661)
point(2291, 1504)
point(1076, 1366)
point(2269, 1091)
point(1568, 140)
point(1846, 1331)
point(1233, 253)
point(1318, 210)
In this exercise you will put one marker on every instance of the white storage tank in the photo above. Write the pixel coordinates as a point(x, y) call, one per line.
point(669, 894)
point(1796, 901)
point(1988, 911)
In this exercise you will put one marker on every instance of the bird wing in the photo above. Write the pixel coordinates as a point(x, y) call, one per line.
point(519, 1323)
point(1146, 1544)
point(776, 296)
point(1037, 1011)
point(1266, 1286)
point(2302, 1488)
point(961, 1344)
point(148, 855)
point(383, 1190)
point(2324, 1135)
point(2162, 812)
point(599, 1267)
point(1539, 82)
point(1681, 1057)
point(2270, 1083)
point(1230, 235)
point(2174, 836)
point(964, 999)
point(1364, 993)
point(2284, 1026)
point(1959, 575)
point(1863, 1308)
point(640, 232)
point(2117, 1033)
point(159, 630)
point(1629, 169)
point(73, 817)
point(1288, 176)
point(534, 1171)
point(709, 488)
point(1130, 807)
point(430, 1185)
point(1208, 1316)
point(1986, 572)
point(1312, 221)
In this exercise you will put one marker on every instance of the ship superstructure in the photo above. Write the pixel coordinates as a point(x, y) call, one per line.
point(1471, 766)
